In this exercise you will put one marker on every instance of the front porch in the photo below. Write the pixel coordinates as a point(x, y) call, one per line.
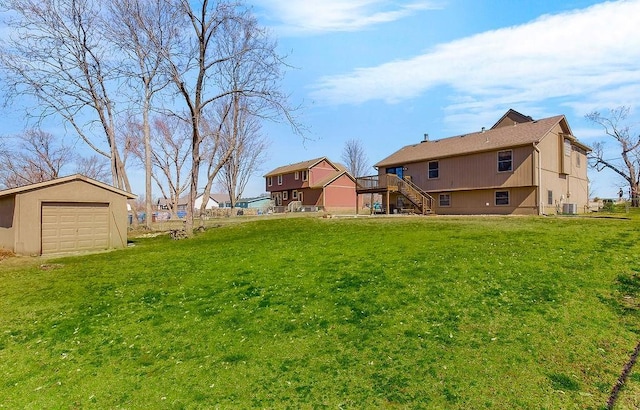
point(388, 184)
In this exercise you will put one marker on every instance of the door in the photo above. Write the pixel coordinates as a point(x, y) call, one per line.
point(399, 171)
point(70, 227)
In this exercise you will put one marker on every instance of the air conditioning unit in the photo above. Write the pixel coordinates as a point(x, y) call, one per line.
point(570, 209)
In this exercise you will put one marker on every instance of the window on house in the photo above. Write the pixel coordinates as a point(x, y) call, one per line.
point(578, 159)
point(285, 195)
point(279, 179)
point(445, 199)
point(300, 196)
point(502, 198)
point(505, 161)
point(269, 181)
point(305, 175)
point(296, 175)
point(549, 197)
point(294, 194)
point(434, 171)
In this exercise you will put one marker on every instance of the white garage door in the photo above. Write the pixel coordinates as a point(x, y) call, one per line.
point(69, 227)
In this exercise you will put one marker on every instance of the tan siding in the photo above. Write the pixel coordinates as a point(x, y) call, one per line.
point(521, 201)
point(28, 235)
point(571, 187)
point(7, 206)
point(475, 171)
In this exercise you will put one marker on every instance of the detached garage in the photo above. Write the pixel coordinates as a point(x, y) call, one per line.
point(69, 214)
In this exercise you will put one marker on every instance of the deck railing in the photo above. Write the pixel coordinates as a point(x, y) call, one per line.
point(391, 182)
point(370, 182)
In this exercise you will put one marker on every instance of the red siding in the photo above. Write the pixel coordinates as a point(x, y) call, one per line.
point(320, 171)
point(340, 193)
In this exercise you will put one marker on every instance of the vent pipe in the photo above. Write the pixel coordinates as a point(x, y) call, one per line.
point(426, 137)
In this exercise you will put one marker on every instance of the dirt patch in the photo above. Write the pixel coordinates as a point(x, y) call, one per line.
point(50, 266)
point(6, 254)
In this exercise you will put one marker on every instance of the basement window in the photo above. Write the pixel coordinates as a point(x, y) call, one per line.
point(444, 200)
point(502, 198)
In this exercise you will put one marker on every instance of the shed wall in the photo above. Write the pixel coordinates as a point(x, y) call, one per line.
point(29, 219)
point(7, 206)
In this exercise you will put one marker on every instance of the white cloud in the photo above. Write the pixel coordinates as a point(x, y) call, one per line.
point(583, 53)
point(304, 16)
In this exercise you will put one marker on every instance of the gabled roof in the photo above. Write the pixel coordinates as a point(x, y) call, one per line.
point(254, 199)
point(518, 134)
point(64, 180)
point(513, 116)
point(299, 166)
point(329, 179)
point(219, 198)
point(166, 201)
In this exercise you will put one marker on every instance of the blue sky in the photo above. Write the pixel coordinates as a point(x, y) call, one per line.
point(386, 72)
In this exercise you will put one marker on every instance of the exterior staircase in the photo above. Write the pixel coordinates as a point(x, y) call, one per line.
point(420, 199)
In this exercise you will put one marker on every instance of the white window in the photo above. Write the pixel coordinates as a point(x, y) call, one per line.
point(444, 199)
point(502, 198)
point(296, 176)
point(285, 195)
point(269, 181)
point(305, 175)
point(505, 161)
point(279, 179)
point(294, 194)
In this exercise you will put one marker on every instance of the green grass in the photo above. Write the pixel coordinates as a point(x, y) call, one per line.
point(459, 313)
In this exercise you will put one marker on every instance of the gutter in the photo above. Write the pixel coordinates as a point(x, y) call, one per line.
point(539, 171)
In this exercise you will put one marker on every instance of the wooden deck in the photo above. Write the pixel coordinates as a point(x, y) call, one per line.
point(388, 183)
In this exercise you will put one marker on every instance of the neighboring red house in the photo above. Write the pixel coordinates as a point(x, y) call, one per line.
point(317, 184)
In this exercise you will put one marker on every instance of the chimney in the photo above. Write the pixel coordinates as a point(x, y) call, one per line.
point(483, 130)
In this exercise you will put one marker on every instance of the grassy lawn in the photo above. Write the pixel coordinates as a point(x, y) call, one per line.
point(406, 312)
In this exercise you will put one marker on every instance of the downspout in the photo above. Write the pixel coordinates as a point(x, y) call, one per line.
point(539, 172)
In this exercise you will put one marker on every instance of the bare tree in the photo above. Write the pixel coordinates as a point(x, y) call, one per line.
point(628, 165)
point(170, 156)
point(59, 55)
point(223, 32)
point(139, 28)
point(39, 156)
point(94, 166)
point(355, 158)
point(243, 130)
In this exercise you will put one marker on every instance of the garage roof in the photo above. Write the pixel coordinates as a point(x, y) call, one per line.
point(63, 180)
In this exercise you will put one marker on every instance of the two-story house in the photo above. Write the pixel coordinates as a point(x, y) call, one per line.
point(317, 184)
point(518, 166)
